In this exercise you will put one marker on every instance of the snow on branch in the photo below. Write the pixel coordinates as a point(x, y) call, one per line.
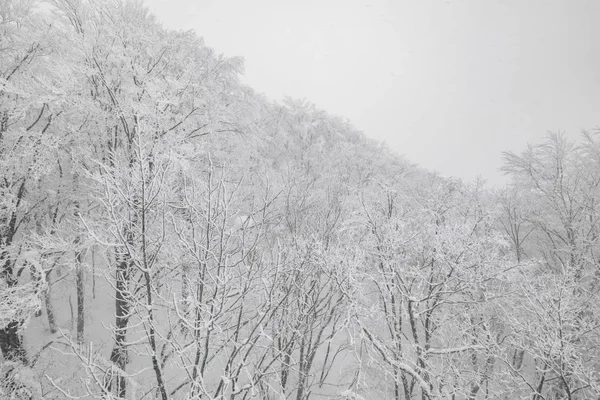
point(455, 349)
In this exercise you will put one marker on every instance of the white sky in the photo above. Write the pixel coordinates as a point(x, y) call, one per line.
point(448, 84)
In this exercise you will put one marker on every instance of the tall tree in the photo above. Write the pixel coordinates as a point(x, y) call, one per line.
point(560, 179)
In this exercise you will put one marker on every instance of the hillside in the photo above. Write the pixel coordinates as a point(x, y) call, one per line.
point(168, 233)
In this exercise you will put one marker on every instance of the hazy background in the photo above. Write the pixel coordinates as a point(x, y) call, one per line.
point(448, 84)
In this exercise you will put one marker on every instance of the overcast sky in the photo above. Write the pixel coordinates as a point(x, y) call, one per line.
point(449, 84)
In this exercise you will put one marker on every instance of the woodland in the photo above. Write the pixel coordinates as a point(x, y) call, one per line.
point(168, 233)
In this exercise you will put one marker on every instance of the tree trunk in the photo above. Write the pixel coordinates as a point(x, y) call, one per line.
point(11, 344)
point(518, 359)
point(302, 371)
point(185, 290)
point(119, 356)
point(49, 306)
point(80, 301)
point(152, 338)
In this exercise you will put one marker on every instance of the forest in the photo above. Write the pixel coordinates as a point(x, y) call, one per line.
point(168, 233)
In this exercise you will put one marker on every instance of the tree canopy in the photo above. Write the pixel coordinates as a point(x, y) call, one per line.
point(168, 233)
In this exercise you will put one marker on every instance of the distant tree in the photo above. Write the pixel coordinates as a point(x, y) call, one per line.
point(554, 327)
point(31, 117)
point(430, 274)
